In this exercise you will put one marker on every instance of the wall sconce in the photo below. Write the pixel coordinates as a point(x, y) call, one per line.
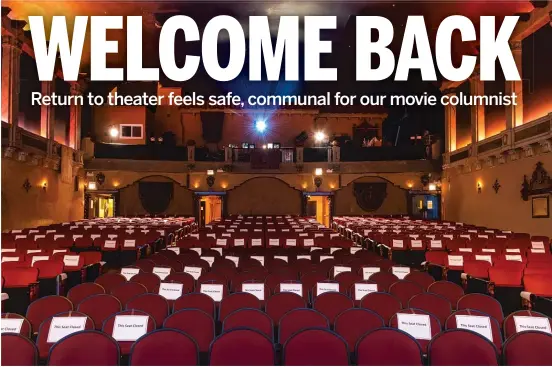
point(318, 178)
point(224, 185)
point(479, 187)
point(496, 186)
point(27, 185)
point(44, 185)
point(409, 184)
point(210, 178)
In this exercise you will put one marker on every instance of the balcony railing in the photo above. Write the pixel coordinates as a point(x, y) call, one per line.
point(141, 152)
point(384, 153)
point(256, 156)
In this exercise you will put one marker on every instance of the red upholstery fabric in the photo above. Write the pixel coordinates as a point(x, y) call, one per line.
point(110, 280)
point(154, 304)
point(18, 350)
point(45, 307)
point(300, 319)
point(388, 347)
point(331, 304)
point(482, 303)
point(353, 323)
point(85, 348)
point(384, 304)
point(451, 291)
point(99, 307)
point(432, 303)
point(281, 303)
point(315, 347)
point(242, 347)
point(81, 291)
point(461, 348)
point(528, 348)
point(164, 348)
point(196, 323)
point(198, 301)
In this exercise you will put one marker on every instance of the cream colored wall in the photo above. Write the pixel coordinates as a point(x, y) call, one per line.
point(503, 210)
point(106, 117)
point(264, 196)
point(20, 209)
point(394, 203)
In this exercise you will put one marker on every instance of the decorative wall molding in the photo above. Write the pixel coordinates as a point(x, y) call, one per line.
point(540, 183)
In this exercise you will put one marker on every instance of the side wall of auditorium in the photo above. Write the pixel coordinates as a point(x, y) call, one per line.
point(504, 209)
point(48, 199)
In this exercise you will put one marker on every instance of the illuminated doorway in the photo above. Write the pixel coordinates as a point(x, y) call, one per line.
point(423, 205)
point(209, 207)
point(319, 206)
point(100, 205)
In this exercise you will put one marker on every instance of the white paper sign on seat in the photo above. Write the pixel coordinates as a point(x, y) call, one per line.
point(62, 326)
point(11, 325)
point(128, 328)
point(456, 260)
point(400, 271)
point(111, 244)
point(256, 289)
point(215, 291)
point(367, 271)
point(129, 244)
point(478, 324)
point(71, 260)
point(322, 287)
point(527, 323)
point(256, 242)
point(170, 291)
point(234, 259)
point(362, 289)
point(210, 259)
point(193, 271)
point(418, 326)
point(128, 273)
point(260, 259)
point(161, 272)
point(341, 269)
point(296, 288)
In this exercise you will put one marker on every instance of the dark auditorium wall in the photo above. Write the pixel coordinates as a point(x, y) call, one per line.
point(181, 203)
point(503, 210)
point(394, 203)
point(57, 204)
point(264, 195)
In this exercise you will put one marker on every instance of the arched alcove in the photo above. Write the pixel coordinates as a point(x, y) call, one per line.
point(370, 195)
point(132, 197)
point(264, 195)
